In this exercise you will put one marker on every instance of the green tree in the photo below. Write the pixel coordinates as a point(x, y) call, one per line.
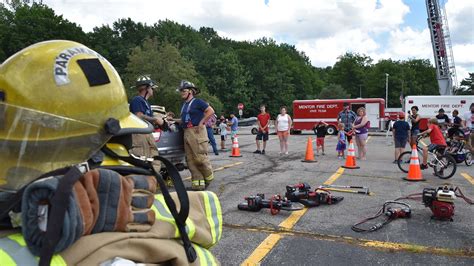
point(23, 25)
point(163, 63)
point(333, 91)
point(467, 86)
point(350, 71)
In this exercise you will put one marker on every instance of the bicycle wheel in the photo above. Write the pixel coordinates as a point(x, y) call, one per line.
point(404, 161)
point(468, 160)
point(445, 166)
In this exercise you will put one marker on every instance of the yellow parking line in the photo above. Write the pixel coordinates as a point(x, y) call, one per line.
point(269, 243)
point(365, 243)
point(219, 169)
point(335, 176)
point(468, 178)
point(422, 142)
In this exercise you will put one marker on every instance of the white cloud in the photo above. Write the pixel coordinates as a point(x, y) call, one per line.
point(460, 14)
point(323, 29)
point(324, 51)
point(409, 43)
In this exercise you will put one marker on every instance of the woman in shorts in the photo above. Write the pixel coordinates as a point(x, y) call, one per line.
point(361, 127)
point(283, 126)
point(414, 119)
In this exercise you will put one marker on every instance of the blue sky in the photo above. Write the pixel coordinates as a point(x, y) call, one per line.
point(323, 29)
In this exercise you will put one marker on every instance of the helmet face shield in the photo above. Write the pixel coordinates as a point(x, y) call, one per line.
point(35, 144)
point(55, 100)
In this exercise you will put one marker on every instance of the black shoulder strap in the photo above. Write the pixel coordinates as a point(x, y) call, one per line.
point(58, 204)
point(181, 216)
point(15, 200)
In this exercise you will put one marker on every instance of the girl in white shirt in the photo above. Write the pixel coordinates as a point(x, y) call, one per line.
point(283, 126)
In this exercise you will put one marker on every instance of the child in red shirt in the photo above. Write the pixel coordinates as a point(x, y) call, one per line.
point(436, 138)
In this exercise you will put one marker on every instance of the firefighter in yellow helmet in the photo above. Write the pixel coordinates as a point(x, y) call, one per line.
point(55, 100)
point(194, 114)
point(60, 102)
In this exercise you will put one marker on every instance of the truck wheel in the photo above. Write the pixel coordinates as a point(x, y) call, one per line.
point(254, 131)
point(295, 132)
point(331, 130)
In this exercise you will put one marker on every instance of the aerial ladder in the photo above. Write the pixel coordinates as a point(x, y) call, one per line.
point(442, 50)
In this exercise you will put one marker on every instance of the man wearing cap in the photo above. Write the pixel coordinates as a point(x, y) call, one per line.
point(347, 117)
point(194, 114)
point(144, 144)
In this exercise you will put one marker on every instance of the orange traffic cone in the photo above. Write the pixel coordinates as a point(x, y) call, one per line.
point(414, 172)
point(235, 148)
point(309, 157)
point(350, 159)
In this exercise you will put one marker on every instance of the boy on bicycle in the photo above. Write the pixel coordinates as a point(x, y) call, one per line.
point(436, 138)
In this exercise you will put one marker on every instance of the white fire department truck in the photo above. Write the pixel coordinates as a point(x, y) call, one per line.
point(429, 106)
point(307, 113)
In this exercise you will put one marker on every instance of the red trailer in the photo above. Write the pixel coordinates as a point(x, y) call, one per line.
point(306, 113)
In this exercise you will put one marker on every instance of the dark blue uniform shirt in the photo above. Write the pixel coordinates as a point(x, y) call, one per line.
point(139, 104)
point(193, 111)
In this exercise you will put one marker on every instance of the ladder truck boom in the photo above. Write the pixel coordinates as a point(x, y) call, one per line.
point(442, 51)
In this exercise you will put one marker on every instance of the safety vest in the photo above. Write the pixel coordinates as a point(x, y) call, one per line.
point(203, 226)
point(13, 251)
point(211, 207)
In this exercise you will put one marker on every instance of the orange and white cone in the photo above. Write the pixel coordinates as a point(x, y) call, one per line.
point(414, 172)
point(235, 148)
point(309, 157)
point(350, 159)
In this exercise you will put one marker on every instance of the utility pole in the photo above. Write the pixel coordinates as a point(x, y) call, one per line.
point(386, 89)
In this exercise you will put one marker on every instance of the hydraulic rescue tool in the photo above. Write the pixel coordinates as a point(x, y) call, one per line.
point(302, 193)
point(389, 213)
point(275, 204)
point(440, 201)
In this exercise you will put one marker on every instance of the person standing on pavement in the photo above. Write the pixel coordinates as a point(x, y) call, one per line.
point(194, 114)
point(283, 126)
point(468, 123)
point(361, 127)
point(144, 144)
point(347, 117)
point(401, 130)
point(263, 122)
point(223, 130)
point(414, 119)
point(210, 123)
point(321, 130)
point(234, 126)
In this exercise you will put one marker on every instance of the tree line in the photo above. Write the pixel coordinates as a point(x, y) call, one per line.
point(227, 72)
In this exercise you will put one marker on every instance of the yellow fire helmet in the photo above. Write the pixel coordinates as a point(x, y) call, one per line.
point(57, 99)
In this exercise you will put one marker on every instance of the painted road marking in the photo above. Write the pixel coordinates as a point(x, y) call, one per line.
point(468, 178)
point(270, 242)
point(366, 243)
point(219, 169)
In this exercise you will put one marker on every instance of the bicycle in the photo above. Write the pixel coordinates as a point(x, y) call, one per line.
point(444, 165)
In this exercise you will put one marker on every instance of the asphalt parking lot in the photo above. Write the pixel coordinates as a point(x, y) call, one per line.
point(323, 235)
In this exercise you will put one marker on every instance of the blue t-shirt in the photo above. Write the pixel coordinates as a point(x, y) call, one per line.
point(139, 104)
point(193, 112)
point(401, 129)
point(235, 124)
